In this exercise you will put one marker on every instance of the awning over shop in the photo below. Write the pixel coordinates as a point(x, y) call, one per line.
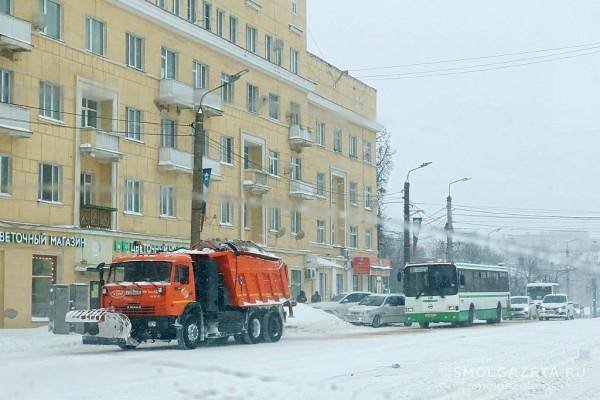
point(314, 261)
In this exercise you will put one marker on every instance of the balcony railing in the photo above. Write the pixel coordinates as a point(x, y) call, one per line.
point(212, 103)
point(95, 217)
point(173, 92)
point(15, 34)
point(171, 159)
point(300, 137)
point(255, 181)
point(101, 145)
point(14, 120)
point(302, 190)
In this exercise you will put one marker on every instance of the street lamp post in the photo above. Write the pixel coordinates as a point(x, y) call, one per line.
point(198, 202)
point(568, 267)
point(407, 213)
point(449, 226)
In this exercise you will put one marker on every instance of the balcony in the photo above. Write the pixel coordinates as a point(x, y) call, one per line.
point(95, 217)
point(104, 146)
point(15, 34)
point(175, 93)
point(302, 190)
point(255, 182)
point(14, 121)
point(212, 103)
point(300, 137)
point(171, 159)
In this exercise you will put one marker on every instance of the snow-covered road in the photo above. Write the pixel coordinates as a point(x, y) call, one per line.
point(320, 357)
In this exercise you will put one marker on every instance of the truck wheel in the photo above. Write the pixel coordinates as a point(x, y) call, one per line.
point(190, 334)
point(272, 327)
point(254, 332)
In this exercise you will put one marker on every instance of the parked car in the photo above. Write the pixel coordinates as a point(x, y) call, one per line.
point(522, 307)
point(377, 310)
point(340, 303)
point(556, 306)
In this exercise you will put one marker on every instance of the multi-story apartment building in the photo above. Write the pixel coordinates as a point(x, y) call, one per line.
point(97, 101)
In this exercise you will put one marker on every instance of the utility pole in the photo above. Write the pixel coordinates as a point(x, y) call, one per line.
point(449, 226)
point(594, 298)
point(568, 267)
point(407, 213)
point(198, 202)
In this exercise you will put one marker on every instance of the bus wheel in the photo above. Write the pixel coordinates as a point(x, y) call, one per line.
point(376, 321)
point(469, 322)
point(272, 327)
point(424, 325)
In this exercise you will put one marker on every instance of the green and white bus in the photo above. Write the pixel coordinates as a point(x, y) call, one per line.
point(455, 292)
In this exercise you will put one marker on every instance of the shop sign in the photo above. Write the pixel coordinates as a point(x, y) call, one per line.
point(361, 265)
point(124, 246)
point(41, 239)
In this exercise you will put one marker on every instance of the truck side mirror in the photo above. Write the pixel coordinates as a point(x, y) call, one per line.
point(100, 269)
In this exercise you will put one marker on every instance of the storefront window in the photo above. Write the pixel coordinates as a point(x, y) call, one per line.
point(355, 283)
point(296, 283)
point(43, 276)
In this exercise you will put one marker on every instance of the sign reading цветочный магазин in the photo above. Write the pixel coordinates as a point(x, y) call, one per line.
point(41, 239)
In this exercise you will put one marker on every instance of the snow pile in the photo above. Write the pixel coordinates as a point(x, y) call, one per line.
point(308, 321)
point(35, 340)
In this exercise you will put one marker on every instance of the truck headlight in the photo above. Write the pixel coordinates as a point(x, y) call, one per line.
point(409, 309)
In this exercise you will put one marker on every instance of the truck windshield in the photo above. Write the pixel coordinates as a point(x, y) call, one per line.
point(518, 300)
point(372, 301)
point(430, 280)
point(538, 292)
point(555, 299)
point(140, 271)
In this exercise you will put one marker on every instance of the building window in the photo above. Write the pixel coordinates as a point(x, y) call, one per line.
point(167, 201)
point(5, 174)
point(86, 183)
point(96, 36)
point(321, 133)
point(50, 100)
point(355, 283)
point(6, 7)
point(5, 86)
point(226, 212)
point(43, 276)
point(339, 283)
point(49, 183)
point(168, 132)
point(220, 22)
point(168, 64)
point(207, 14)
point(161, 3)
point(227, 150)
point(367, 152)
point(252, 98)
point(333, 235)
point(246, 216)
point(337, 141)
point(53, 13)
point(353, 193)
point(275, 219)
point(227, 91)
point(133, 123)
point(269, 48)
point(200, 75)
point(368, 240)
point(368, 204)
point(273, 106)
point(320, 184)
point(294, 7)
point(233, 29)
point(296, 283)
point(89, 113)
point(133, 196)
point(191, 16)
point(251, 38)
point(278, 52)
point(320, 231)
point(296, 222)
point(294, 61)
point(353, 237)
point(294, 116)
point(296, 168)
point(273, 163)
point(177, 7)
point(353, 147)
point(134, 50)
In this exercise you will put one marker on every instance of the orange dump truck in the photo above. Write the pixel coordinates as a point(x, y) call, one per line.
point(192, 296)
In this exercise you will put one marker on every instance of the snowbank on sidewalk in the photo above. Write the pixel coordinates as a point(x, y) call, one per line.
point(309, 321)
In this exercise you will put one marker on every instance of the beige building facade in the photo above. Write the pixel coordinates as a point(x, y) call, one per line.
point(97, 101)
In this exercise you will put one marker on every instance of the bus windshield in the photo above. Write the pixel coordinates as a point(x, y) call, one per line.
point(140, 271)
point(430, 280)
point(538, 292)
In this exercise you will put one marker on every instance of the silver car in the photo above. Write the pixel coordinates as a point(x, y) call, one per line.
point(340, 303)
point(522, 307)
point(377, 310)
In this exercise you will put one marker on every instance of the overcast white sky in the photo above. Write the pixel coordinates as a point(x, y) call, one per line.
point(528, 136)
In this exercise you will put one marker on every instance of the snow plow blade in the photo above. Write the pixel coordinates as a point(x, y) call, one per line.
point(101, 326)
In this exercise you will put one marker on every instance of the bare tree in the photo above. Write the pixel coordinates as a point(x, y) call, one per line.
point(384, 167)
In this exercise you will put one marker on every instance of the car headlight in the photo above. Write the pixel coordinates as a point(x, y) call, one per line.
point(559, 309)
point(526, 309)
point(543, 308)
point(409, 309)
